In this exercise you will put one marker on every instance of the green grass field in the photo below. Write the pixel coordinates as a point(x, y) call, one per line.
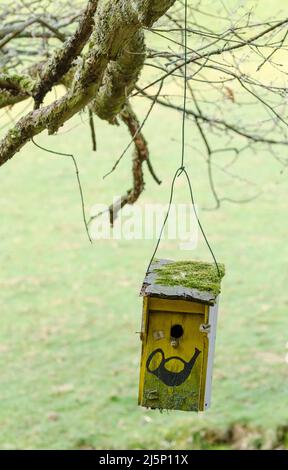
point(69, 351)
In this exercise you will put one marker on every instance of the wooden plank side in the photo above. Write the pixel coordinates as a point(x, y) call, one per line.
point(152, 288)
point(181, 306)
point(143, 337)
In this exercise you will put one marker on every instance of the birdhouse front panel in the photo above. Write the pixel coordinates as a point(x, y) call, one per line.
point(172, 363)
point(178, 338)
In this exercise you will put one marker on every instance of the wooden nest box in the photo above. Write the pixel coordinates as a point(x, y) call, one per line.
point(180, 303)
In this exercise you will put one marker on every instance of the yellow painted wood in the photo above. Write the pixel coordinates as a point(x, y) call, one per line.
point(143, 336)
point(184, 306)
point(206, 313)
point(204, 372)
point(157, 323)
point(205, 362)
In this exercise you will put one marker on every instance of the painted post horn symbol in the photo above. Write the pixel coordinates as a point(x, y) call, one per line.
point(172, 379)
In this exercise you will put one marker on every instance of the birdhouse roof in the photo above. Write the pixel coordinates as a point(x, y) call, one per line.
point(186, 280)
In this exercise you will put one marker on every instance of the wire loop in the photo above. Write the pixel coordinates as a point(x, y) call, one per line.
point(182, 168)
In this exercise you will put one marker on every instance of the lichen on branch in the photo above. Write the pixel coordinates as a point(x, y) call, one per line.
point(15, 88)
point(116, 24)
point(61, 61)
point(120, 78)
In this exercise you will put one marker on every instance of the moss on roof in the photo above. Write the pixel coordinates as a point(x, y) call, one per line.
point(191, 274)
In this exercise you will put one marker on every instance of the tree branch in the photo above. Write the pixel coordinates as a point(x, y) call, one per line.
point(115, 25)
point(120, 78)
point(61, 61)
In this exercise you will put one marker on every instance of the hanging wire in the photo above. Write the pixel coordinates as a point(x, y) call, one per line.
point(184, 40)
point(182, 168)
point(53, 152)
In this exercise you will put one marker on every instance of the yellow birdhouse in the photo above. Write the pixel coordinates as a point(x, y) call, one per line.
point(180, 303)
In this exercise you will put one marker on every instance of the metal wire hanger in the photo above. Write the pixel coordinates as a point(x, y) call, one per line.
point(182, 170)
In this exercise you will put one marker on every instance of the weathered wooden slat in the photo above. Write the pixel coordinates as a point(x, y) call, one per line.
point(151, 288)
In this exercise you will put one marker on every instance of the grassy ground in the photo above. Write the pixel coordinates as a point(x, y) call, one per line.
point(69, 352)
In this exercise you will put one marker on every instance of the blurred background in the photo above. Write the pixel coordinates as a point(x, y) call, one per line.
point(70, 312)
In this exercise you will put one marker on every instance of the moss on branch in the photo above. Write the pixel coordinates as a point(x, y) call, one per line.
point(15, 88)
point(60, 62)
point(120, 78)
point(116, 24)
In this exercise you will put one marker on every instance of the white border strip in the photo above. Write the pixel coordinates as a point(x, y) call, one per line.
point(213, 313)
